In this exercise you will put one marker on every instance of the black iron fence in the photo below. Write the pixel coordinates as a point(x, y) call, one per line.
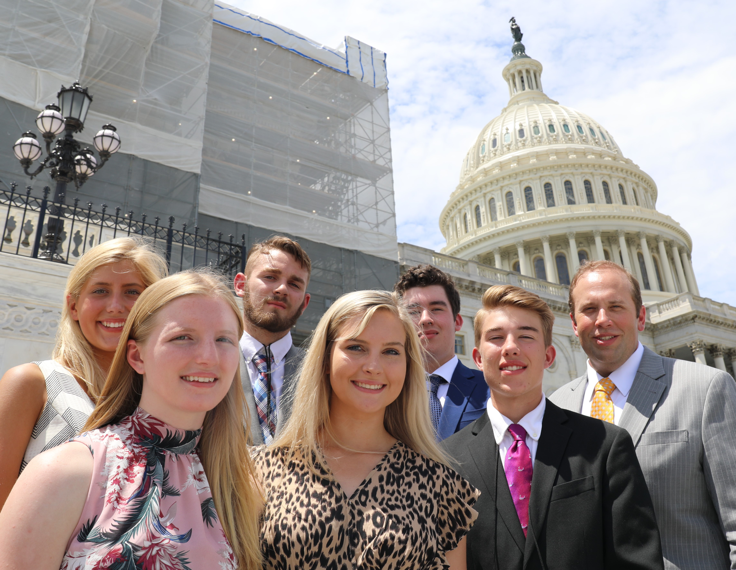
point(40, 228)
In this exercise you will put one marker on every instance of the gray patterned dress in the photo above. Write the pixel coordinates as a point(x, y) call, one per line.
point(67, 409)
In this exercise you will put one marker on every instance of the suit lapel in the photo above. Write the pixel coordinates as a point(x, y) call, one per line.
point(488, 462)
point(646, 392)
point(550, 451)
point(288, 389)
point(256, 437)
point(458, 394)
point(573, 399)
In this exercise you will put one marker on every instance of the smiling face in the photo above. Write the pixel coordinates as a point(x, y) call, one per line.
point(606, 319)
point(431, 312)
point(274, 292)
point(189, 360)
point(104, 303)
point(367, 371)
point(512, 355)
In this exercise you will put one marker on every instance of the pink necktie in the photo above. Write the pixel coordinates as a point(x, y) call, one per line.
point(519, 473)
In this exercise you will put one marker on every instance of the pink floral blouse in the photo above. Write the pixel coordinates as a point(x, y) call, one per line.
point(149, 504)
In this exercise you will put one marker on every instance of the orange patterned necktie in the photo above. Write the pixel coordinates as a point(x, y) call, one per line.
point(602, 406)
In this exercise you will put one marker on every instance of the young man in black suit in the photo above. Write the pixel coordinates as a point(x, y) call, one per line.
point(558, 490)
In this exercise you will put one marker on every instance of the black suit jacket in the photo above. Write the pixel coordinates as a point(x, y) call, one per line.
point(589, 508)
point(467, 396)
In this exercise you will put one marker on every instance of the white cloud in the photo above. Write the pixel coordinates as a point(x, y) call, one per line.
point(659, 75)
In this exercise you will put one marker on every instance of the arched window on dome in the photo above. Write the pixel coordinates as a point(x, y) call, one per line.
point(582, 256)
point(592, 132)
point(551, 128)
point(580, 130)
point(643, 269)
point(516, 267)
point(477, 217)
point(562, 272)
point(465, 222)
point(540, 272)
point(483, 148)
point(492, 209)
point(507, 137)
point(522, 134)
point(549, 195)
point(603, 136)
point(569, 194)
point(623, 194)
point(607, 193)
point(535, 129)
point(510, 209)
point(523, 83)
point(636, 196)
point(494, 142)
point(566, 128)
point(606, 255)
point(589, 192)
point(529, 197)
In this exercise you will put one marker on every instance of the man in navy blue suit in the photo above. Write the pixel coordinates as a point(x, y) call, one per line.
point(458, 395)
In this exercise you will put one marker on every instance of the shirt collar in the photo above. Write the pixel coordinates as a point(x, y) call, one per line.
point(532, 422)
point(623, 376)
point(249, 346)
point(447, 369)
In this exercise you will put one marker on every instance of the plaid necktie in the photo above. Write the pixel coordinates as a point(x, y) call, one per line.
point(602, 406)
point(518, 469)
point(435, 406)
point(265, 403)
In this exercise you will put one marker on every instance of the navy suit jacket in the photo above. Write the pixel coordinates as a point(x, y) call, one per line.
point(466, 400)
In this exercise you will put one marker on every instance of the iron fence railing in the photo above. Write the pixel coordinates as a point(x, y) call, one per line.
point(26, 232)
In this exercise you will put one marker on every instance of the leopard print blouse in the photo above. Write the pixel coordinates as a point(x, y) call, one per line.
point(406, 513)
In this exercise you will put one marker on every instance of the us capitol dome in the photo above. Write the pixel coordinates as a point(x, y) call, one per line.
point(545, 187)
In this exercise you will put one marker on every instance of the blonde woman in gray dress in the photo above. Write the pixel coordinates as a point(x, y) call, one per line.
point(43, 404)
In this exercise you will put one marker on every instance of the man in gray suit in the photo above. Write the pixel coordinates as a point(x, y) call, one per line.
point(680, 415)
point(274, 292)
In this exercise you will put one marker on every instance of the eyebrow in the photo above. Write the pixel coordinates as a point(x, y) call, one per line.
point(521, 328)
point(363, 341)
point(136, 283)
point(442, 303)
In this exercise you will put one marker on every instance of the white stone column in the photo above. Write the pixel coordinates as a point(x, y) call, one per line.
point(548, 262)
point(717, 351)
point(678, 267)
point(523, 267)
point(669, 283)
point(648, 262)
point(574, 261)
point(692, 285)
point(624, 250)
point(698, 348)
point(599, 245)
point(497, 258)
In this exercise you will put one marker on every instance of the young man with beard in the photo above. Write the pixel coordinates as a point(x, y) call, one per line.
point(274, 292)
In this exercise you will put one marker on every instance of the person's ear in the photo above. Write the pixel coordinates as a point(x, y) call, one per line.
point(239, 284)
point(71, 302)
point(458, 322)
point(549, 356)
point(135, 358)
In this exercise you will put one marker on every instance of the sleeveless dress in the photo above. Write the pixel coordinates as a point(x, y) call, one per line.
point(66, 411)
point(405, 515)
point(149, 504)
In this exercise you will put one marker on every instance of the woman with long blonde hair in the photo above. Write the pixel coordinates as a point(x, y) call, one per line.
point(163, 478)
point(42, 404)
point(356, 478)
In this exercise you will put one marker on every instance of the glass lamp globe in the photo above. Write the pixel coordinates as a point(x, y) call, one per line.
point(85, 164)
point(107, 141)
point(50, 121)
point(27, 148)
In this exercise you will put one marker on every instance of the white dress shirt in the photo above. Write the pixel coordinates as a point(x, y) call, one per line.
point(532, 423)
point(445, 371)
point(623, 378)
point(249, 346)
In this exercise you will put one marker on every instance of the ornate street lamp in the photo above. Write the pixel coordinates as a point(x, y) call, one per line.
point(67, 160)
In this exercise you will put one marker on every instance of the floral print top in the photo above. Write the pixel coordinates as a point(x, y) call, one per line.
point(149, 505)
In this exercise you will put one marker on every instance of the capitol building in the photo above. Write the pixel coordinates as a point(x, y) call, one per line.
point(545, 188)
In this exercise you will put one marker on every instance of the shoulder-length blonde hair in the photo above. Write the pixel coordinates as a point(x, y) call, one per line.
point(223, 443)
point(406, 418)
point(72, 350)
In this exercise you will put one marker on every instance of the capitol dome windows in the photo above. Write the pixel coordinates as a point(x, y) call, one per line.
point(636, 197)
point(492, 208)
point(522, 134)
point(549, 195)
point(510, 209)
point(592, 132)
point(566, 128)
point(569, 194)
point(643, 269)
point(465, 222)
point(535, 130)
point(494, 142)
point(482, 148)
point(623, 194)
point(603, 136)
point(515, 267)
point(582, 256)
point(580, 130)
point(562, 271)
point(551, 128)
point(540, 272)
point(477, 217)
point(607, 193)
point(589, 192)
point(529, 197)
point(507, 137)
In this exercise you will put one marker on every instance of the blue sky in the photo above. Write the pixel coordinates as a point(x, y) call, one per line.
point(660, 76)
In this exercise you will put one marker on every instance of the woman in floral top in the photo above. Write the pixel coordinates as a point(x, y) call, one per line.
point(162, 479)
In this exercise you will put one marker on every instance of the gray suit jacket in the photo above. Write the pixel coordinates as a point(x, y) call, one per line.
point(291, 368)
point(682, 419)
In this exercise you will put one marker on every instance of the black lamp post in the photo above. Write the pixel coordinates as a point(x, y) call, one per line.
point(68, 161)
